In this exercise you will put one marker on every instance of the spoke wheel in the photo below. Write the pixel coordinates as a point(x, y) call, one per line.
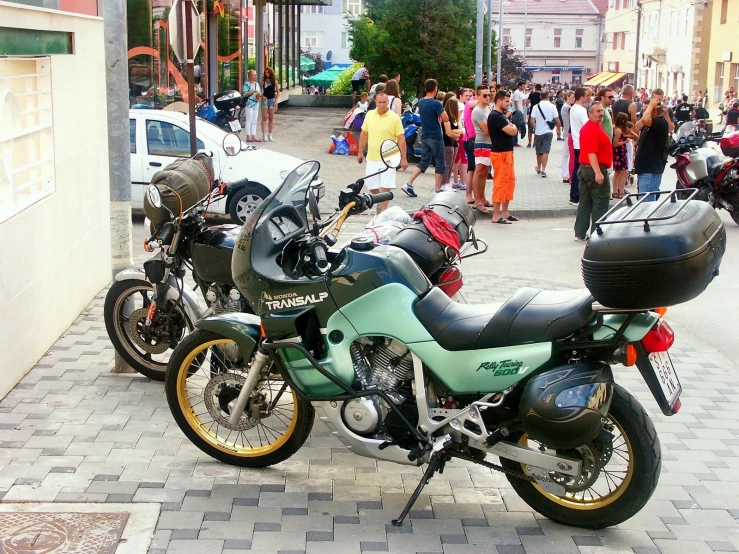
point(619, 473)
point(147, 350)
point(204, 378)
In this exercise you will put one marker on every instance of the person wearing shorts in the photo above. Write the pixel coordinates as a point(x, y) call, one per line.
point(502, 132)
point(544, 116)
point(359, 81)
point(379, 125)
point(432, 113)
point(469, 146)
point(481, 150)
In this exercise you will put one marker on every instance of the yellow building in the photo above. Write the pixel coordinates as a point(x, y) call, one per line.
point(721, 53)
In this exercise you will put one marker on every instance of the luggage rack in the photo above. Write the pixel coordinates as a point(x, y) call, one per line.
point(670, 197)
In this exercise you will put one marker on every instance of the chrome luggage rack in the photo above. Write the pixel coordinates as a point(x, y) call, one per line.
point(670, 197)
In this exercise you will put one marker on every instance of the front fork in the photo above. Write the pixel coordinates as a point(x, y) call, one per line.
point(255, 371)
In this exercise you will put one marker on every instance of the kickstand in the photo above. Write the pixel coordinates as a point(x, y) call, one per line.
point(435, 463)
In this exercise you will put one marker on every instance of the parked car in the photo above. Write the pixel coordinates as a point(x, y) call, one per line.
point(159, 137)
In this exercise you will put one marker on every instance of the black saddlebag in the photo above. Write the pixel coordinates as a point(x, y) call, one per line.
point(420, 244)
point(454, 208)
point(658, 262)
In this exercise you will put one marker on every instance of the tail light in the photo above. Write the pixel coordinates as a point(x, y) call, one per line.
point(451, 281)
point(659, 339)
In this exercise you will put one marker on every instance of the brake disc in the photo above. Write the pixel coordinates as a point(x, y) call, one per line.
point(219, 393)
point(136, 325)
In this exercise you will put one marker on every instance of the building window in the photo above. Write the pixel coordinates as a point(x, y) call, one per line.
point(578, 38)
point(630, 41)
point(558, 38)
point(345, 39)
point(719, 92)
point(132, 134)
point(311, 9)
point(165, 139)
point(724, 10)
point(506, 34)
point(577, 75)
point(527, 41)
point(312, 39)
point(353, 7)
point(26, 135)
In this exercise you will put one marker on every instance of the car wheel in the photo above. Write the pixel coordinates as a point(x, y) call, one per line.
point(245, 202)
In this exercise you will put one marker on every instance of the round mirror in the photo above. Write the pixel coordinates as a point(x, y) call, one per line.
point(313, 204)
point(390, 153)
point(232, 144)
point(155, 197)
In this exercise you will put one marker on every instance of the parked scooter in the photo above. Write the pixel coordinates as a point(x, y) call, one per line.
point(223, 111)
point(699, 165)
point(411, 120)
point(399, 372)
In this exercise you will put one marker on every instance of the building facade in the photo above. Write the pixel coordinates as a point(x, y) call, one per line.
point(667, 40)
point(54, 185)
point(620, 38)
point(324, 30)
point(559, 39)
point(721, 53)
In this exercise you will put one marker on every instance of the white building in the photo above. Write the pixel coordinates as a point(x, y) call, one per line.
point(323, 29)
point(559, 39)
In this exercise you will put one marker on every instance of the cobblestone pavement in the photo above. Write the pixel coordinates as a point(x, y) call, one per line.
point(71, 431)
point(534, 196)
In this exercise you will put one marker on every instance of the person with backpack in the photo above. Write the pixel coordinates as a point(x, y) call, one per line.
point(651, 154)
point(545, 118)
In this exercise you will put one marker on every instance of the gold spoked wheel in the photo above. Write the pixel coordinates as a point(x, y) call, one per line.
point(204, 379)
point(619, 471)
point(607, 471)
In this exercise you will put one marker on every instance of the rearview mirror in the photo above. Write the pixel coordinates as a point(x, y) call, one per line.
point(231, 144)
point(390, 153)
point(313, 204)
point(155, 197)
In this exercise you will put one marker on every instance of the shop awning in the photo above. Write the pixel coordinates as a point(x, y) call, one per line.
point(555, 67)
point(325, 78)
point(605, 78)
point(306, 64)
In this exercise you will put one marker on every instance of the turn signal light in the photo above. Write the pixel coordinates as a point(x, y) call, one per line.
point(261, 328)
point(659, 339)
point(660, 311)
point(631, 355)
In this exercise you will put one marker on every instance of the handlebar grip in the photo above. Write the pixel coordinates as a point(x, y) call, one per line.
point(373, 199)
point(319, 252)
point(167, 233)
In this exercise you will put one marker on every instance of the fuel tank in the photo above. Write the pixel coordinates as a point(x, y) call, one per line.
point(703, 163)
point(212, 251)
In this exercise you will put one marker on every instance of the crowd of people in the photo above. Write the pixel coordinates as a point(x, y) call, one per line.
point(608, 135)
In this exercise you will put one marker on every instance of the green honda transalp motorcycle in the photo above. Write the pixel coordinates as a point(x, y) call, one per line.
point(399, 372)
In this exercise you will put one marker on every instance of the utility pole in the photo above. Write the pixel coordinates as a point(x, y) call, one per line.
point(190, 49)
point(478, 46)
point(638, 32)
point(500, 38)
point(119, 156)
point(489, 65)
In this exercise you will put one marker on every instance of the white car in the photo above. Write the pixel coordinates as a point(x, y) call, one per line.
point(159, 137)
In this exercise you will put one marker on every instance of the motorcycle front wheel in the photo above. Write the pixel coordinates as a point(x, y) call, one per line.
point(204, 378)
point(619, 474)
point(145, 349)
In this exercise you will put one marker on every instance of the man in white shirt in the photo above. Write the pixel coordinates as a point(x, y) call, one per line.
point(518, 99)
point(578, 118)
point(546, 118)
point(381, 79)
point(360, 79)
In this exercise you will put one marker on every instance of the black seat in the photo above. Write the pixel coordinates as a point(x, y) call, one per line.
point(530, 315)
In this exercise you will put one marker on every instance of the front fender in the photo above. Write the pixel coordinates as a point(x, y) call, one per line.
point(243, 329)
point(192, 305)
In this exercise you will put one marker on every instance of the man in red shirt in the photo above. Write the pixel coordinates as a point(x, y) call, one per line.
point(596, 157)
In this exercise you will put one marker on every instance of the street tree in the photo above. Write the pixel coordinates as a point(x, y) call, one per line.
point(420, 39)
point(512, 66)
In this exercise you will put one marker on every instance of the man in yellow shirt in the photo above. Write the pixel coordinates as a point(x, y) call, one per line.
point(380, 124)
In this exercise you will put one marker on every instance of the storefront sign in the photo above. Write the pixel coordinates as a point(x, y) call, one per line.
point(556, 62)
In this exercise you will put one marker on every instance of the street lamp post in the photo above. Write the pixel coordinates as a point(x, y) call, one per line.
point(478, 45)
point(500, 36)
point(489, 64)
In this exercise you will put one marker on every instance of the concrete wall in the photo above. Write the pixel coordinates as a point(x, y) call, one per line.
point(56, 253)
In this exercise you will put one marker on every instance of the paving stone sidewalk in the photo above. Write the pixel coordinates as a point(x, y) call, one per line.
point(71, 431)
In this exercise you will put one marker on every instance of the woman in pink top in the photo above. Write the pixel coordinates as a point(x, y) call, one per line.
point(459, 171)
point(469, 145)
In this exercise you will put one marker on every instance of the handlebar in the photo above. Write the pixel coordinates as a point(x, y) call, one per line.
point(319, 254)
point(373, 199)
point(166, 234)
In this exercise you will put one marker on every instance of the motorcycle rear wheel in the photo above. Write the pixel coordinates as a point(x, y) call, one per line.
point(202, 383)
point(629, 488)
point(117, 317)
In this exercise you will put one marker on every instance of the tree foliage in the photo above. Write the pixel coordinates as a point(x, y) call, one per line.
point(512, 66)
point(317, 59)
point(343, 84)
point(420, 39)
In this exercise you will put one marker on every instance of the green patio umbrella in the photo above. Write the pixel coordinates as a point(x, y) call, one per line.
point(325, 78)
point(306, 64)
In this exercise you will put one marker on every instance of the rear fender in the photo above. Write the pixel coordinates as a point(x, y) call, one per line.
point(192, 306)
point(243, 329)
point(637, 329)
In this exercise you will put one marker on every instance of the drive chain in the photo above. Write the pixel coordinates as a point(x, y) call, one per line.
point(496, 467)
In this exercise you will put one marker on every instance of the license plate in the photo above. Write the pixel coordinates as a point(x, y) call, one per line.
point(666, 376)
point(235, 125)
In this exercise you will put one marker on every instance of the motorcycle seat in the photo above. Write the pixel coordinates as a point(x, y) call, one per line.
point(529, 316)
